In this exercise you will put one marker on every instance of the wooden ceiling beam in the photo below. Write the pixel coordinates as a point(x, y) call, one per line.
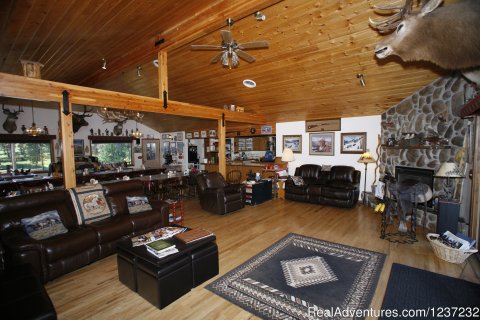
point(14, 86)
point(193, 27)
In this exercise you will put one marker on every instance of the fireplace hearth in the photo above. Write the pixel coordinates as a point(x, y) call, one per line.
point(425, 176)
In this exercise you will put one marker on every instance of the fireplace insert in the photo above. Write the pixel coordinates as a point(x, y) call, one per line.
point(418, 174)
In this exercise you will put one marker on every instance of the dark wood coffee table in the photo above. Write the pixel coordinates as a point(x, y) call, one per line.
point(163, 280)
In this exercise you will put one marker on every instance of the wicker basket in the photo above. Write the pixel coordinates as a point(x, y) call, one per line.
point(446, 253)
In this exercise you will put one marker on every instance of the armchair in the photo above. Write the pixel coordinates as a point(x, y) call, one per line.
point(217, 196)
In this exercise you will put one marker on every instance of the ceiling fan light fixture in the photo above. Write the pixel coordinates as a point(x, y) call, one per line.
point(260, 16)
point(225, 60)
point(104, 64)
point(249, 83)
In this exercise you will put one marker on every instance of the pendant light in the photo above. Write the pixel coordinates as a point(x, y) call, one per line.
point(136, 134)
point(34, 130)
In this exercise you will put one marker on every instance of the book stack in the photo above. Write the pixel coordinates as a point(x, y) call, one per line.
point(161, 248)
point(193, 235)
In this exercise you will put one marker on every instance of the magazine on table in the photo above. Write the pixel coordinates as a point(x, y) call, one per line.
point(158, 234)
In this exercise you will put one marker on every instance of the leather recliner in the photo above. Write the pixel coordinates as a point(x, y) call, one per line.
point(338, 187)
point(217, 196)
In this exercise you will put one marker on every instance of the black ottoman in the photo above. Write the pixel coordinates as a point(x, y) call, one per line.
point(204, 263)
point(162, 284)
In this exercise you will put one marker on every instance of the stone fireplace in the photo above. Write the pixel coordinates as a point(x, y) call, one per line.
point(430, 114)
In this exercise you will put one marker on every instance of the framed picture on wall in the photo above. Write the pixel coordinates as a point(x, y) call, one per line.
point(189, 135)
point(203, 134)
point(293, 142)
point(212, 133)
point(78, 148)
point(353, 142)
point(266, 129)
point(322, 144)
point(196, 134)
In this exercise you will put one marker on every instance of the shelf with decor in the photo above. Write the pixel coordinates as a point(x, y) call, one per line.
point(416, 147)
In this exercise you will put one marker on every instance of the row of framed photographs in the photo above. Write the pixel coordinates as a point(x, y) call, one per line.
point(202, 134)
point(323, 143)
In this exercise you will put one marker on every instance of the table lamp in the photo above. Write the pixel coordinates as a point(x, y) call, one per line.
point(449, 170)
point(365, 158)
point(287, 155)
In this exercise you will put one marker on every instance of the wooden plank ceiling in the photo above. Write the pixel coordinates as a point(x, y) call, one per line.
point(309, 71)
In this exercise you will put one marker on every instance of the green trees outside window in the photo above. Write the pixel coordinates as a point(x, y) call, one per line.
point(112, 152)
point(35, 156)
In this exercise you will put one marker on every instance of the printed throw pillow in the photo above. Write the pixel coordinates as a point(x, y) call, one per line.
point(297, 180)
point(90, 203)
point(44, 225)
point(138, 204)
point(326, 168)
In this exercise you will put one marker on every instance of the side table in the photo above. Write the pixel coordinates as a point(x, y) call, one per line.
point(177, 211)
point(447, 219)
point(258, 192)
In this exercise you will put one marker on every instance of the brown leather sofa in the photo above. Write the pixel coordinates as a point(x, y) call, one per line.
point(82, 244)
point(218, 196)
point(338, 187)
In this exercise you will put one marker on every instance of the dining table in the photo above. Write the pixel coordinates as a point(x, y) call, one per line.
point(163, 185)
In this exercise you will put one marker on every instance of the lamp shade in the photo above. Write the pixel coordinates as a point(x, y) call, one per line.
point(449, 170)
point(287, 155)
point(366, 157)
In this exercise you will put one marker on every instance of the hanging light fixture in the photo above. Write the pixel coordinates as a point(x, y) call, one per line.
point(136, 134)
point(34, 130)
point(139, 71)
point(104, 64)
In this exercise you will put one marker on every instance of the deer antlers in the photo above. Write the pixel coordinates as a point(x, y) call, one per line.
point(393, 21)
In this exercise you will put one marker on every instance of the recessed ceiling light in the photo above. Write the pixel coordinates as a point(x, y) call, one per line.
point(249, 83)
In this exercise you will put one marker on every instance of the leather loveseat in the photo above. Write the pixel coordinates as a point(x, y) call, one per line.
point(218, 196)
point(340, 186)
point(82, 244)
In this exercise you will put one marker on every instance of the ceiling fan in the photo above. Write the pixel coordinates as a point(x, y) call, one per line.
point(231, 50)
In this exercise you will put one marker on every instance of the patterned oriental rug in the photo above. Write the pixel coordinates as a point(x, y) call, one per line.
point(300, 277)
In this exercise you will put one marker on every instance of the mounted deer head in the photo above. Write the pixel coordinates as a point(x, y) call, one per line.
point(78, 120)
point(448, 36)
point(118, 128)
point(10, 125)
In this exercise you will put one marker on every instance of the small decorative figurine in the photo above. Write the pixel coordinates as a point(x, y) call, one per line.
point(91, 131)
point(99, 132)
point(45, 129)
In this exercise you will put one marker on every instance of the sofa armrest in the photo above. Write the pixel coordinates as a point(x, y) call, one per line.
point(162, 207)
point(20, 249)
point(2, 260)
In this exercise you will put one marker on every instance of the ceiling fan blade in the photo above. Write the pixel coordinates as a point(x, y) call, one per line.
point(204, 47)
point(226, 36)
point(216, 58)
point(253, 45)
point(245, 56)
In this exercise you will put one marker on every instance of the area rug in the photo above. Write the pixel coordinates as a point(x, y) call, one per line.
point(437, 296)
point(300, 277)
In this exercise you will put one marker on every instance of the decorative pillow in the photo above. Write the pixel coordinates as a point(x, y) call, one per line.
point(90, 204)
point(138, 204)
point(297, 180)
point(326, 168)
point(44, 225)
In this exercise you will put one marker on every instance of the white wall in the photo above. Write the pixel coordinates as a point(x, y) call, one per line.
point(370, 125)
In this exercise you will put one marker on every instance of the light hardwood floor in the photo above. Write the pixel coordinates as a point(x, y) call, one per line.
point(94, 292)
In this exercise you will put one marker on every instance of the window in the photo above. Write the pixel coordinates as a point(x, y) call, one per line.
point(112, 152)
point(34, 156)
